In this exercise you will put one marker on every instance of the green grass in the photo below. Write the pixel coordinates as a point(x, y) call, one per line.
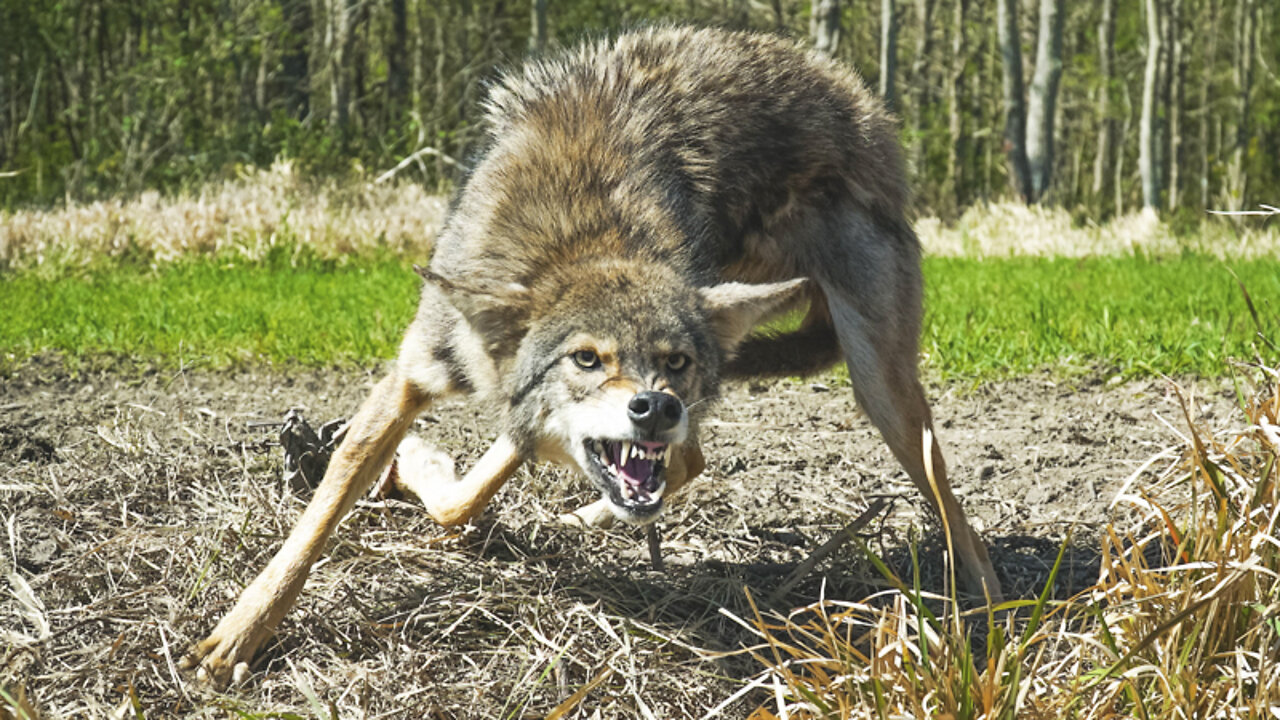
point(1136, 315)
point(985, 318)
point(213, 312)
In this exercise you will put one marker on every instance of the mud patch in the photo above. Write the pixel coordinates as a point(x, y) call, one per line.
point(136, 507)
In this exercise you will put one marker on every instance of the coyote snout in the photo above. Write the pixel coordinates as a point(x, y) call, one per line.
point(631, 470)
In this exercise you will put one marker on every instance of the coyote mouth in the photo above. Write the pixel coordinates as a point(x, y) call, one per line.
point(633, 473)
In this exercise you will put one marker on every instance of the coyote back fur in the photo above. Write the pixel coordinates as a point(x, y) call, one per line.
point(640, 205)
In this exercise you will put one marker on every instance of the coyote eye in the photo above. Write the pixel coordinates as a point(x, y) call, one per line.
point(586, 359)
point(677, 362)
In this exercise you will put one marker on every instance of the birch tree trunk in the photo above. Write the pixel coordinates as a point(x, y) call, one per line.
point(1148, 166)
point(1246, 13)
point(888, 53)
point(955, 101)
point(1043, 100)
point(1106, 124)
point(538, 29)
point(1015, 115)
point(337, 42)
point(824, 26)
point(1206, 96)
point(1127, 96)
point(920, 80)
point(1177, 73)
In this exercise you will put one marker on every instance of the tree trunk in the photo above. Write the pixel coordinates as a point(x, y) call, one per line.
point(1106, 123)
point(1246, 12)
point(955, 99)
point(357, 56)
point(920, 84)
point(888, 53)
point(1120, 141)
point(398, 60)
point(981, 79)
point(824, 26)
point(1015, 114)
point(1147, 135)
point(1177, 74)
point(1164, 89)
point(1206, 96)
point(295, 58)
point(336, 42)
point(1042, 103)
point(538, 27)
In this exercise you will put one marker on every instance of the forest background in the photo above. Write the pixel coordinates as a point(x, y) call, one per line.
point(1101, 107)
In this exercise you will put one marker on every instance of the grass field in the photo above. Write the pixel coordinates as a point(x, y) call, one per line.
point(995, 317)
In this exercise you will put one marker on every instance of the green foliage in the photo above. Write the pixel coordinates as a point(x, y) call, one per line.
point(101, 97)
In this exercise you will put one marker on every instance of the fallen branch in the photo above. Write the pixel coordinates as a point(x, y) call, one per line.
point(840, 538)
point(1266, 210)
point(414, 157)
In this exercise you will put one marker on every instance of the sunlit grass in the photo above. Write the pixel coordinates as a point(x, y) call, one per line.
point(1131, 316)
point(211, 312)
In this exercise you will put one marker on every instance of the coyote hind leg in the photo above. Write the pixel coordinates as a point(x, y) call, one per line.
point(875, 308)
point(371, 439)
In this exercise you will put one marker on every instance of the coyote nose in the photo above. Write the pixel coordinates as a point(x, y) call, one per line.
point(654, 411)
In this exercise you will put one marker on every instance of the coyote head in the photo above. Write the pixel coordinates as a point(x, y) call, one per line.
point(609, 363)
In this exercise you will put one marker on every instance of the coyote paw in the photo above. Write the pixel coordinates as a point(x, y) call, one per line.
point(421, 470)
point(220, 661)
point(597, 515)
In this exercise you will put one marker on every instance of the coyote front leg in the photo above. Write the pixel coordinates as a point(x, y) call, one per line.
point(371, 439)
point(428, 474)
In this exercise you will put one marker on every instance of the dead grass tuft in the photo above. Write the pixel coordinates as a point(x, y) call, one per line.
point(247, 216)
point(265, 209)
point(1184, 621)
point(1012, 229)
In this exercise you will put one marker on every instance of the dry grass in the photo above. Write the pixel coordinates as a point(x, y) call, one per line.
point(266, 208)
point(128, 548)
point(1011, 229)
point(246, 216)
point(1184, 621)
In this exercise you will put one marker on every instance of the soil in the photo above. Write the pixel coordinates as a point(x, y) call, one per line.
point(135, 505)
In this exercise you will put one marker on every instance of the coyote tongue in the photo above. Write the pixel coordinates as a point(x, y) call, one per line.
point(636, 465)
point(636, 470)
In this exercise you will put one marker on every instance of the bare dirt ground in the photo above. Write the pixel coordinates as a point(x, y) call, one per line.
point(134, 506)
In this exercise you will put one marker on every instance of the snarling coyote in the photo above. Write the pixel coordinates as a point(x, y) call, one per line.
point(639, 207)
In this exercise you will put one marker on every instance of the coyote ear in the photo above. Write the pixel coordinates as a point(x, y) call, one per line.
point(735, 308)
point(496, 310)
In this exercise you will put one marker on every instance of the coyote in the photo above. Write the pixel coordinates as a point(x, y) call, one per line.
point(640, 205)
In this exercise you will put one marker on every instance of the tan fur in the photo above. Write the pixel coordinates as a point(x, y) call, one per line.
point(641, 205)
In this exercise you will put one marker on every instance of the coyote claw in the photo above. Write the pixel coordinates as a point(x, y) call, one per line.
point(222, 659)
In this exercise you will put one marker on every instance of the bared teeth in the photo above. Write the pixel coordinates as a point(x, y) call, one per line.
point(626, 452)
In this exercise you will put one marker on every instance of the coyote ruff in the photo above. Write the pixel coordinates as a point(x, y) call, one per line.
point(639, 206)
